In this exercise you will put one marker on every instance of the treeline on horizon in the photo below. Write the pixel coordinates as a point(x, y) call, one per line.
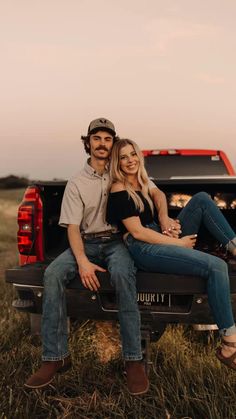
point(13, 182)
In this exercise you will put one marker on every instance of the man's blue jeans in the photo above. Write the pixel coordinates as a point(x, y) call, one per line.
point(114, 256)
point(179, 260)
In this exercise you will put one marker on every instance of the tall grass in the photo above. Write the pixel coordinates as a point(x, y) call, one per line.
point(186, 379)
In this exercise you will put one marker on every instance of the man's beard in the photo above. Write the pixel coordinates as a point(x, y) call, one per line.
point(101, 157)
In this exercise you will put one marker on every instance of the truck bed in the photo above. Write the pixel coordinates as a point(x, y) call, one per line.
point(162, 298)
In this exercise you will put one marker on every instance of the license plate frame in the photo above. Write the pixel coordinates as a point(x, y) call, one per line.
point(149, 299)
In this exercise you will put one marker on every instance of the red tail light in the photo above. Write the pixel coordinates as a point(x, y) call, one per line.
point(159, 152)
point(30, 232)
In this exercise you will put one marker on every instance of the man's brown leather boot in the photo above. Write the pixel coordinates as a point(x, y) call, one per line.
point(46, 373)
point(137, 380)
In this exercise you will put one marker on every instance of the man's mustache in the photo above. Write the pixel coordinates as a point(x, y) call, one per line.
point(102, 147)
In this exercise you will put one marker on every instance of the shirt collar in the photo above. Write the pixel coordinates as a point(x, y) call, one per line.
point(88, 169)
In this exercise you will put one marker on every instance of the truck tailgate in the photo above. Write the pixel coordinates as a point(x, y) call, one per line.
point(162, 298)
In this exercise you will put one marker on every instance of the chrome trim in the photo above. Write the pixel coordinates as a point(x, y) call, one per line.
point(26, 285)
point(205, 177)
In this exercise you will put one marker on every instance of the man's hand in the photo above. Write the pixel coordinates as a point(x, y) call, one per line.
point(86, 268)
point(88, 276)
point(171, 228)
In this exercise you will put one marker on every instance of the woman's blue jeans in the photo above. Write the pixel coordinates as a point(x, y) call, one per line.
point(114, 256)
point(201, 209)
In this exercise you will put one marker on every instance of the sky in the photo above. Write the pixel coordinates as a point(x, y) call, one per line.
point(162, 70)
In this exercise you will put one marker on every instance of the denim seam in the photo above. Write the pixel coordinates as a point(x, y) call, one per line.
point(228, 331)
point(132, 271)
point(214, 297)
point(213, 221)
point(60, 327)
point(219, 229)
point(55, 358)
point(133, 357)
point(172, 258)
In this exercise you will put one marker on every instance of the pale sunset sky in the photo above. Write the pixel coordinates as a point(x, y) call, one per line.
point(162, 70)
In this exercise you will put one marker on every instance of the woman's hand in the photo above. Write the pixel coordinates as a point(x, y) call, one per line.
point(170, 227)
point(188, 241)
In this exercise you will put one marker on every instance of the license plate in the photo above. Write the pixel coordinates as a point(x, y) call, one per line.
point(154, 299)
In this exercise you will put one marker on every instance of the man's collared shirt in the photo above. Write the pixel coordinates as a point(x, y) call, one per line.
point(85, 199)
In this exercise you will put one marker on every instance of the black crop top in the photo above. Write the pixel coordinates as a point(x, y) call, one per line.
point(121, 206)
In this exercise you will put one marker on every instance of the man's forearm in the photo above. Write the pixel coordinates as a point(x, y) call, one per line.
point(87, 270)
point(76, 243)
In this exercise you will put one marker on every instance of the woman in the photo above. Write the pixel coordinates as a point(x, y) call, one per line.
point(169, 247)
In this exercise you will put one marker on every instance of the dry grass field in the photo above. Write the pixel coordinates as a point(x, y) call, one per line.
point(186, 379)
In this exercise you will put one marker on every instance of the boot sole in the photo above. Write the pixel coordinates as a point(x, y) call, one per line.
point(39, 386)
point(59, 371)
point(140, 392)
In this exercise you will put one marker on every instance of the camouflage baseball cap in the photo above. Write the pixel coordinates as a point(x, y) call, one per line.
point(102, 124)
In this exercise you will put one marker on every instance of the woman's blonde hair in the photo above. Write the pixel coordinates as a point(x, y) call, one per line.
point(117, 175)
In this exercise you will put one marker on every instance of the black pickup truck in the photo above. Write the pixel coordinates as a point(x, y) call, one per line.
point(162, 298)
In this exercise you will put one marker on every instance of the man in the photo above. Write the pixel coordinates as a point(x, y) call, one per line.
point(94, 246)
